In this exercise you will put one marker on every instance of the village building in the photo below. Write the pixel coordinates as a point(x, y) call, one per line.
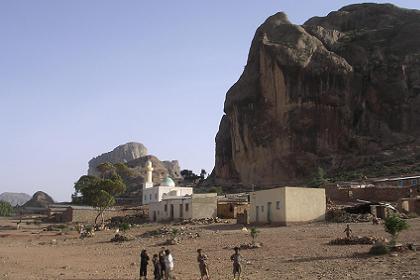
point(375, 189)
point(65, 213)
point(287, 205)
point(167, 187)
point(230, 206)
point(194, 206)
point(402, 181)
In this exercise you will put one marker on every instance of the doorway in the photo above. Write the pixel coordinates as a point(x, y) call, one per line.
point(257, 214)
point(181, 211)
point(269, 212)
point(171, 211)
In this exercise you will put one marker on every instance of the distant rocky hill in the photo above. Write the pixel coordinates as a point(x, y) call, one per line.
point(340, 92)
point(134, 155)
point(15, 198)
point(121, 154)
point(39, 199)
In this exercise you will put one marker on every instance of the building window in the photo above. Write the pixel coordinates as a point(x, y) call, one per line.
point(187, 207)
point(401, 183)
point(262, 208)
point(277, 204)
point(145, 198)
point(414, 182)
point(156, 196)
point(150, 196)
point(166, 207)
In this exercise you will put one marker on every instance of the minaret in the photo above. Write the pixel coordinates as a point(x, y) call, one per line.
point(149, 176)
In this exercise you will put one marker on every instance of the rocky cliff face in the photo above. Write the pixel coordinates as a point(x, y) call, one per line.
point(339, 92)
point(120, 154)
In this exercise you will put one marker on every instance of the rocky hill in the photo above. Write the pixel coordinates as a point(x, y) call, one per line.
point(39, 199)
point(341, 92)
point(120, 154)
point(134, 155)
point(15, 198)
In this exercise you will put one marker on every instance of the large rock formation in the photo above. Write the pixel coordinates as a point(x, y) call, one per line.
point(340, 92)
point(15, 198)
point(39, 200)
point(120, 154)
point(134, 155)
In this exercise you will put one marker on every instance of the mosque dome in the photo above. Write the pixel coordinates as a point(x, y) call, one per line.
point(168, 182)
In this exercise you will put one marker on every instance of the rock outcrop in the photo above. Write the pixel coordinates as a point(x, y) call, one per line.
point(341, 92)
point(135, 157)
point(120, 154)
point(39, 200)
point(15, 198)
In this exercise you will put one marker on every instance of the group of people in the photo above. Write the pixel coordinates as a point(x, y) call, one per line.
point(163, 264)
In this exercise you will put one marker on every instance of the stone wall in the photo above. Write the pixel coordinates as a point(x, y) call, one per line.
point(390, 194)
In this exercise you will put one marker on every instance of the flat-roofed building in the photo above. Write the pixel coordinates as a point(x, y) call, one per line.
point(195, 206)
point(287, 205)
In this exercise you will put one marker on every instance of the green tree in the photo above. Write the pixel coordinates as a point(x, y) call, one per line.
point(105, 168)
point(394, 225)
point(6, 208)
point(98, 193)
point(318, 179)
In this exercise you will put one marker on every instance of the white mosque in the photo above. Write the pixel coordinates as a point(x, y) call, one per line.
point(166, 189)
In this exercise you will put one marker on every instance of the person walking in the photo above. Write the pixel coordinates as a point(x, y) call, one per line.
point(348, 231)
point(236, 258)
point(169, 264)
point(202, 265)
point(157, 268)
point(144, 261)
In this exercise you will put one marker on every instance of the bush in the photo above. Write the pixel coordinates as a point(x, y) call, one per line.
point(124, 226)
point(218, 190)
point(6, 209)
point(379, 249)
point(394, 225)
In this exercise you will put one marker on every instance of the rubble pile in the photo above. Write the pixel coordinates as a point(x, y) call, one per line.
point(120, 238)
point(203, 221)
point(355, 240)
point(174, 232)
point(341, 216)
point(245, 246)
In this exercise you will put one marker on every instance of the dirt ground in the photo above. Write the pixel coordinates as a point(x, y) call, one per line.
point(295, 252)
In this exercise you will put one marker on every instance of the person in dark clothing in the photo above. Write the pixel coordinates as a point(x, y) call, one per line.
point(144, 261)
point(237, 267)
point(157, 268)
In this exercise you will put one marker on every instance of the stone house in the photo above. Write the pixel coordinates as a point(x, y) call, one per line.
point(287, 205)
point(195, 206)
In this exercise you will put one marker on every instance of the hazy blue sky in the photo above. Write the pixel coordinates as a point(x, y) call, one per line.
point(79, 77)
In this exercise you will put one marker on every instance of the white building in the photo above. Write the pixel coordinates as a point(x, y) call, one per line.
point(287, 205)
point(195, 206)
point(167, 187)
